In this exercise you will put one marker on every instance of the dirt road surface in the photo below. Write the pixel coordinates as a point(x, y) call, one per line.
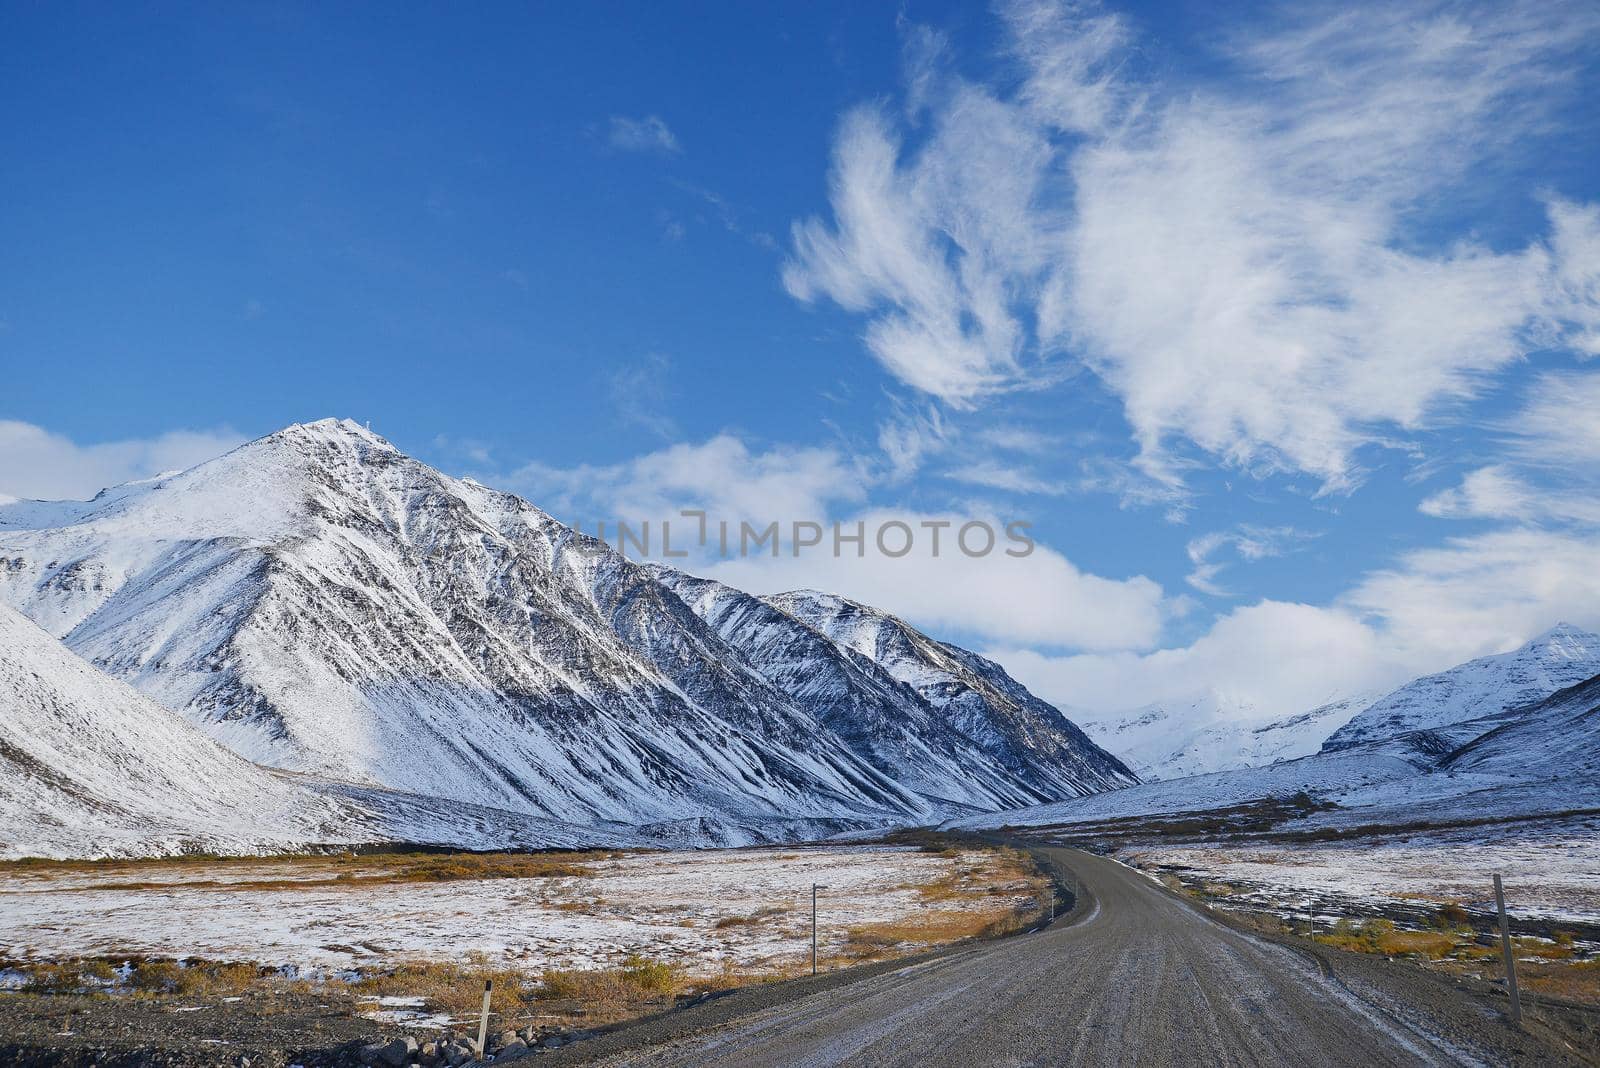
point(1136, 976)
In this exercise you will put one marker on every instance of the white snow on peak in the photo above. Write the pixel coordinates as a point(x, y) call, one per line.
point(1213, 731)
point(90, 766)
point(319, 602)
point(1487, 686)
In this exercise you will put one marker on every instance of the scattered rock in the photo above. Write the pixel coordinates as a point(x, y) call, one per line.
point(398, 1053)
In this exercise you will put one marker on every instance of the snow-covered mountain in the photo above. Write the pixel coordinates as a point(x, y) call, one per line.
point(1213, 732)
point(1529, 761)
point(1560, 733)
point(972, 695)
point(90, 767)
point(89, 764)
point(1487, 686)
point(317, 601)
point(900, 730)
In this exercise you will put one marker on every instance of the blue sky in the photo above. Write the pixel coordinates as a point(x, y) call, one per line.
point(1278, 326)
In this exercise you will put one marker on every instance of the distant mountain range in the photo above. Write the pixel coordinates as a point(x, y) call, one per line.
point(317, 602)
point(1485, 687)
point(1510, 736)
point(317, 640)
point(1213, 732)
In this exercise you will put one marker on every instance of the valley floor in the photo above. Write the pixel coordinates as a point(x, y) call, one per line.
point(1551, 870)
point(701, 911)
point(170, 954)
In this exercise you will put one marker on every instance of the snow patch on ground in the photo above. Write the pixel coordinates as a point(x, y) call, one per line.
point(664, 905)
point(1549, 873)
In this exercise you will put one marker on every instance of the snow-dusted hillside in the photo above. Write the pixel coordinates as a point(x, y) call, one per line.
point(317, 601)
point(1531, 761)
point(971, 694)
point(1488, 686)
point(1215, 733)
point(1560, 734)
point(89, 766)
point(891, 723)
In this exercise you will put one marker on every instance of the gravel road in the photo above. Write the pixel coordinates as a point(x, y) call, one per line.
point(1138, 976)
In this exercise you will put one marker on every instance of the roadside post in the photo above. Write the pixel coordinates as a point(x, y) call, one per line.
point(483, 1019)
point(814, 888)
point(1505, 949)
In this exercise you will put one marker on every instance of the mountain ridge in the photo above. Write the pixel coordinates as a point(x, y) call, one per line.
point(320, 602)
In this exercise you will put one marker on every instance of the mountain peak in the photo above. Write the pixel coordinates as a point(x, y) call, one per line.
point(331, 430)
point(1565, 632)
point(1478, 689)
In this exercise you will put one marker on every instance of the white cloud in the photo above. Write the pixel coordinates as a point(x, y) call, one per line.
point(1019, 439)
point(1484, 593)
point(908, 436)
point(1236, 259)
point(1040, 599)
point(639, 393)
point(1432, 609)
point(932, 246)
point(1559, 425)
point(1552, 470)
point(1248, 541)
point(721, 476)
point(1489, 492)
point(1005, 477)
point(646, 134)
point(36, 464)
point(1275, 657)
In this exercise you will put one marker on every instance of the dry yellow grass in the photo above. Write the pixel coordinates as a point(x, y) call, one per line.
point(935, 928)
point(997, 892)
point(319, 872)
point(1579, 981)
point(759, 916)
point(1381, 936)
point(604, 995)
point(144, 976)
point(982, 892)
point(454, 987)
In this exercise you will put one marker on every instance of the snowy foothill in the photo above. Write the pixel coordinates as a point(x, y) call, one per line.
point(701, 910)
point(1551, 872)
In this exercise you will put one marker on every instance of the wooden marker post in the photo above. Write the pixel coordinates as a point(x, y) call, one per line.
point(483, 1020)
point(1505, 949)
point(814, 888)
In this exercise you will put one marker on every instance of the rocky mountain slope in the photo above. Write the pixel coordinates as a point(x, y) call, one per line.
point(1560, 733)
point(88, 761)
point(90, 767)
point(1487, 686)
point(319, 602)
point(972, 695)
point(900, 730)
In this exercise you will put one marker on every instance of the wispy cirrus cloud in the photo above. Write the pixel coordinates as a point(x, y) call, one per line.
point(1550, 471)
point(649, 133)
point(1237, 259)
point(1247, 542)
